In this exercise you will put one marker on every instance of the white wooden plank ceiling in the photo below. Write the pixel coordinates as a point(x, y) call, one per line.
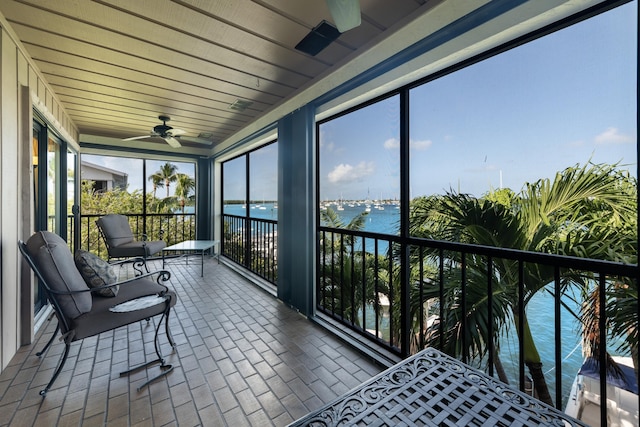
point(116, 65)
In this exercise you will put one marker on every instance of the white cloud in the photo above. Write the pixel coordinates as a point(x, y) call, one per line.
point(391, 143)
point(394, 143)
point(420, 145)
point(346, 172)
point(613, 136)
point(328, 146)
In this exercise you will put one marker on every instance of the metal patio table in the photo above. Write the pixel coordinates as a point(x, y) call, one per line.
point(190, 247)
point(433, 389)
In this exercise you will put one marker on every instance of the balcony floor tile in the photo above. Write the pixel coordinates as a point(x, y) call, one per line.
point(242, 358)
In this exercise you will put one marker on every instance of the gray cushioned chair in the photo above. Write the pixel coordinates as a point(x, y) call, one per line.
point(81, 312)
point(120, 241)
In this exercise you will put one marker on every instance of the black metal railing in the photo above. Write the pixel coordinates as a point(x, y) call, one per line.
point(172, 228)
point(252, 243)
point(407, 294)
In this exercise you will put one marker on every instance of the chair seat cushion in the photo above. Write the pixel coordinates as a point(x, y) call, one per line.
point(101, 319)
point(137, 248)
point(57, 267)
point(96, 272)
point(155, 246)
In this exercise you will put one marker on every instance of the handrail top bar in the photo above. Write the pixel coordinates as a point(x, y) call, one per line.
point(138, 214)
point(267, 220)
point(566, 261)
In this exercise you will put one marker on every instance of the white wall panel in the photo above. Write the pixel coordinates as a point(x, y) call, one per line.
point(9, 198)
point(20, 84)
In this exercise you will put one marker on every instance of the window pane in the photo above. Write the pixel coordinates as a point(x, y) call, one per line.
point(71, 197)
point(111, 185)
point(360, 164)
point(263, 179)
point(171, 185)
point(235, 186)
point(53, 190)
point(71, 188)
point(563, 100)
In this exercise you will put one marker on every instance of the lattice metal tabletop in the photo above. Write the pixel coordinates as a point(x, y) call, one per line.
point(433, 389)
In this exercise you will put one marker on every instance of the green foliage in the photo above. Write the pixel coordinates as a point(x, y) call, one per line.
point(184, 186)
point(166, 174)
point(118, 201)
point(350, 279)
point(588, 211)
point(104, 202)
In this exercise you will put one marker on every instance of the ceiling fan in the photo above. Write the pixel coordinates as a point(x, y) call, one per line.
point(163, 131)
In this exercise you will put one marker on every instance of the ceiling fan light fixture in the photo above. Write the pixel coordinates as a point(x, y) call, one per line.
point(345, 13)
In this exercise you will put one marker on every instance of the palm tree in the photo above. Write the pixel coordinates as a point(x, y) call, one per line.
point(330, 218)
point(621, 294)
point(347, 274)
point(156, 180)
point(565, 217)
point(166, 174)
point(184, 185)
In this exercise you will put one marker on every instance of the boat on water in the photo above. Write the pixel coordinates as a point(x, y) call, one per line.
point(622, 395)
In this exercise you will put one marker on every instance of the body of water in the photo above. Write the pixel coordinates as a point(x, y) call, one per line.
point(540, 311)
point(384, 220)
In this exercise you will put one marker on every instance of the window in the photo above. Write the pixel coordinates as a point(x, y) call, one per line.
point(262, 182)
point(528, 113)
point(234, 188)
point(359, 165)
point(158, 196)
point(250, 210)
point(492, 147)
point(53, 187)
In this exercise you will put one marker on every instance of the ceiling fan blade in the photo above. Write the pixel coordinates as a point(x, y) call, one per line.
point(194, 139)
point(345, 13)
point(136, 137)
point(172, 142)
point(176, 132)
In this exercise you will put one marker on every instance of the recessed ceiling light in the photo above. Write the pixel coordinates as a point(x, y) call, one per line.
point(205, 135)
point(240, 105)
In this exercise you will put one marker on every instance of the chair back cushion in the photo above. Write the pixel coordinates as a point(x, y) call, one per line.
point(116, 229)
point(96, 272)
point(54, 262)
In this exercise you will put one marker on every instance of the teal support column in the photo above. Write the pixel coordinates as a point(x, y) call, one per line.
point(205, 200)
point(296, 200)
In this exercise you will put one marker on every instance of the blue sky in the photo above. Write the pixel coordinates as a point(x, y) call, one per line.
point(561, 100)
point(133, 167)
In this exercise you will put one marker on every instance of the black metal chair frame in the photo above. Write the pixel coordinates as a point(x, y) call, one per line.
point(111, 251)
point(68, 335)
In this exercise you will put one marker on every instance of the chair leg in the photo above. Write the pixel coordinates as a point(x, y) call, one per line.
point(168, 332)
point(61, 363)
point(166, 368)
point(41, 352)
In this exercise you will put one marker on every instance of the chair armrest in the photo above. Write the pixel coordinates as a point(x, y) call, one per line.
point(144, 237)
point(127, 261)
